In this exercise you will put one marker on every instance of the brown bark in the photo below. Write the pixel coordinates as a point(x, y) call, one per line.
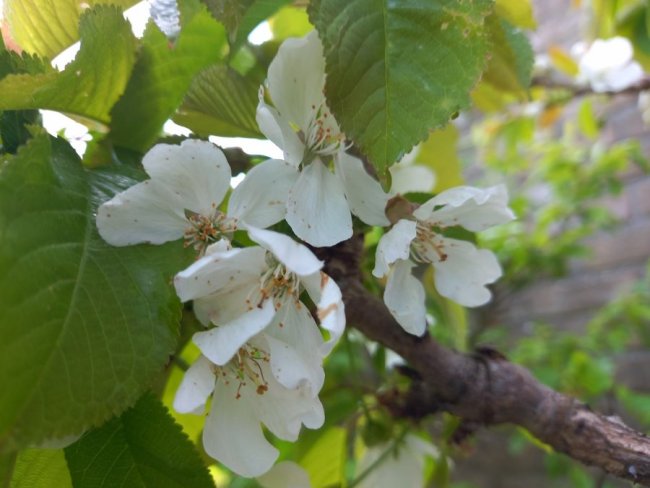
point(485, 388)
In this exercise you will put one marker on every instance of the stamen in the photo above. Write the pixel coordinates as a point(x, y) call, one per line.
point(244, 367)
point(425, 241)
point(205, 230)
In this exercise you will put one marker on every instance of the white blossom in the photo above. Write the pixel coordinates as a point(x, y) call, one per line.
point(461, 270)
point(285, 474)
point(182, 197)
point(256, 291)
point(245, 396)
point(321, 194)
point(402, 466)
point(608, 65)
point(409, 176)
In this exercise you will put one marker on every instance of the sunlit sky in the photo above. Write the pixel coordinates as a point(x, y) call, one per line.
point(138, 16)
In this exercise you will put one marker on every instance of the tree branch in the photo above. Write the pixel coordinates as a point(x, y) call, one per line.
point(580, 90)
point(485, 388)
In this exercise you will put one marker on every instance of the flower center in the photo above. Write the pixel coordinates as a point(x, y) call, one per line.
point(427, 246)
point(246, 368)
point(278, 283)
point(322, 136)
point(207, 229)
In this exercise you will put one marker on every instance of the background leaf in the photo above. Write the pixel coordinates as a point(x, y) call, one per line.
point(397, 69)
point(511, 57)
point(517, 12)
point(162, 75)
point(47, 27)
point(221, 102)
point(85, 326)
point(143, 448)
point(242, 16)
point(40, 468)
point(92, 83)
point(440, 153)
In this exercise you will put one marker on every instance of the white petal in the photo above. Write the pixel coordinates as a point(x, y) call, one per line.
point(146, 212)
point(407, 178)
point(404, 297)
point(285, 474)
point(233, 435)
point(317, 210)
point(365, 196)
point(227, 304)
point(283, 411)
point(261, 198)
point(324, 291)
point(296, 79)
point(293, 337)
point(219, 344)
point(197, 172)
point(462, 276)
point(624, 77)
point(220, 270)
point(393, 245)
point(474, 208)
point(195, 388)
point(280, 132)
point(294, 256)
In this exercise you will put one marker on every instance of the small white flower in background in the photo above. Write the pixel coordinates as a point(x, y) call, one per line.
point(319, 201)
point(607, 65)
point(182, 197)
point(403, 467)
point(408, 176)
point(461, 270)
point(245, 394)
point(256, 291)
point(285, 474)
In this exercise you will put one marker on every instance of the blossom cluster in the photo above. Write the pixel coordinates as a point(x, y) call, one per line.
point(263, 345)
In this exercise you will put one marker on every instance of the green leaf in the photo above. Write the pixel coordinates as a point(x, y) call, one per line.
point(511, 58)
point(92, 83)
point(144, 448)
point(85, 326)
point(325, 460)
point(517, 12)
point(395, 70)
point(162, 76)
point(587, 120)
point(220, 102)
point(41, 468)
point(47, 27)
point(242, 16)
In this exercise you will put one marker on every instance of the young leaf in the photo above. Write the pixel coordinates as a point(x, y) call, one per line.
point(47, 27)
point(85, 326)
point(221, 102)
point(161, 77)
point(511, 58)
point(395, 70)
point(143, 448)
point(91, 84)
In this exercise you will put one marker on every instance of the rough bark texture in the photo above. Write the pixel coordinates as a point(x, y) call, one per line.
point(485, 388)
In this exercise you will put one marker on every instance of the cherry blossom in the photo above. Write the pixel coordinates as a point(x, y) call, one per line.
point(182, 200)
point(245, 396)
point(327, 183)
point(461, 270)
point(256, 291)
